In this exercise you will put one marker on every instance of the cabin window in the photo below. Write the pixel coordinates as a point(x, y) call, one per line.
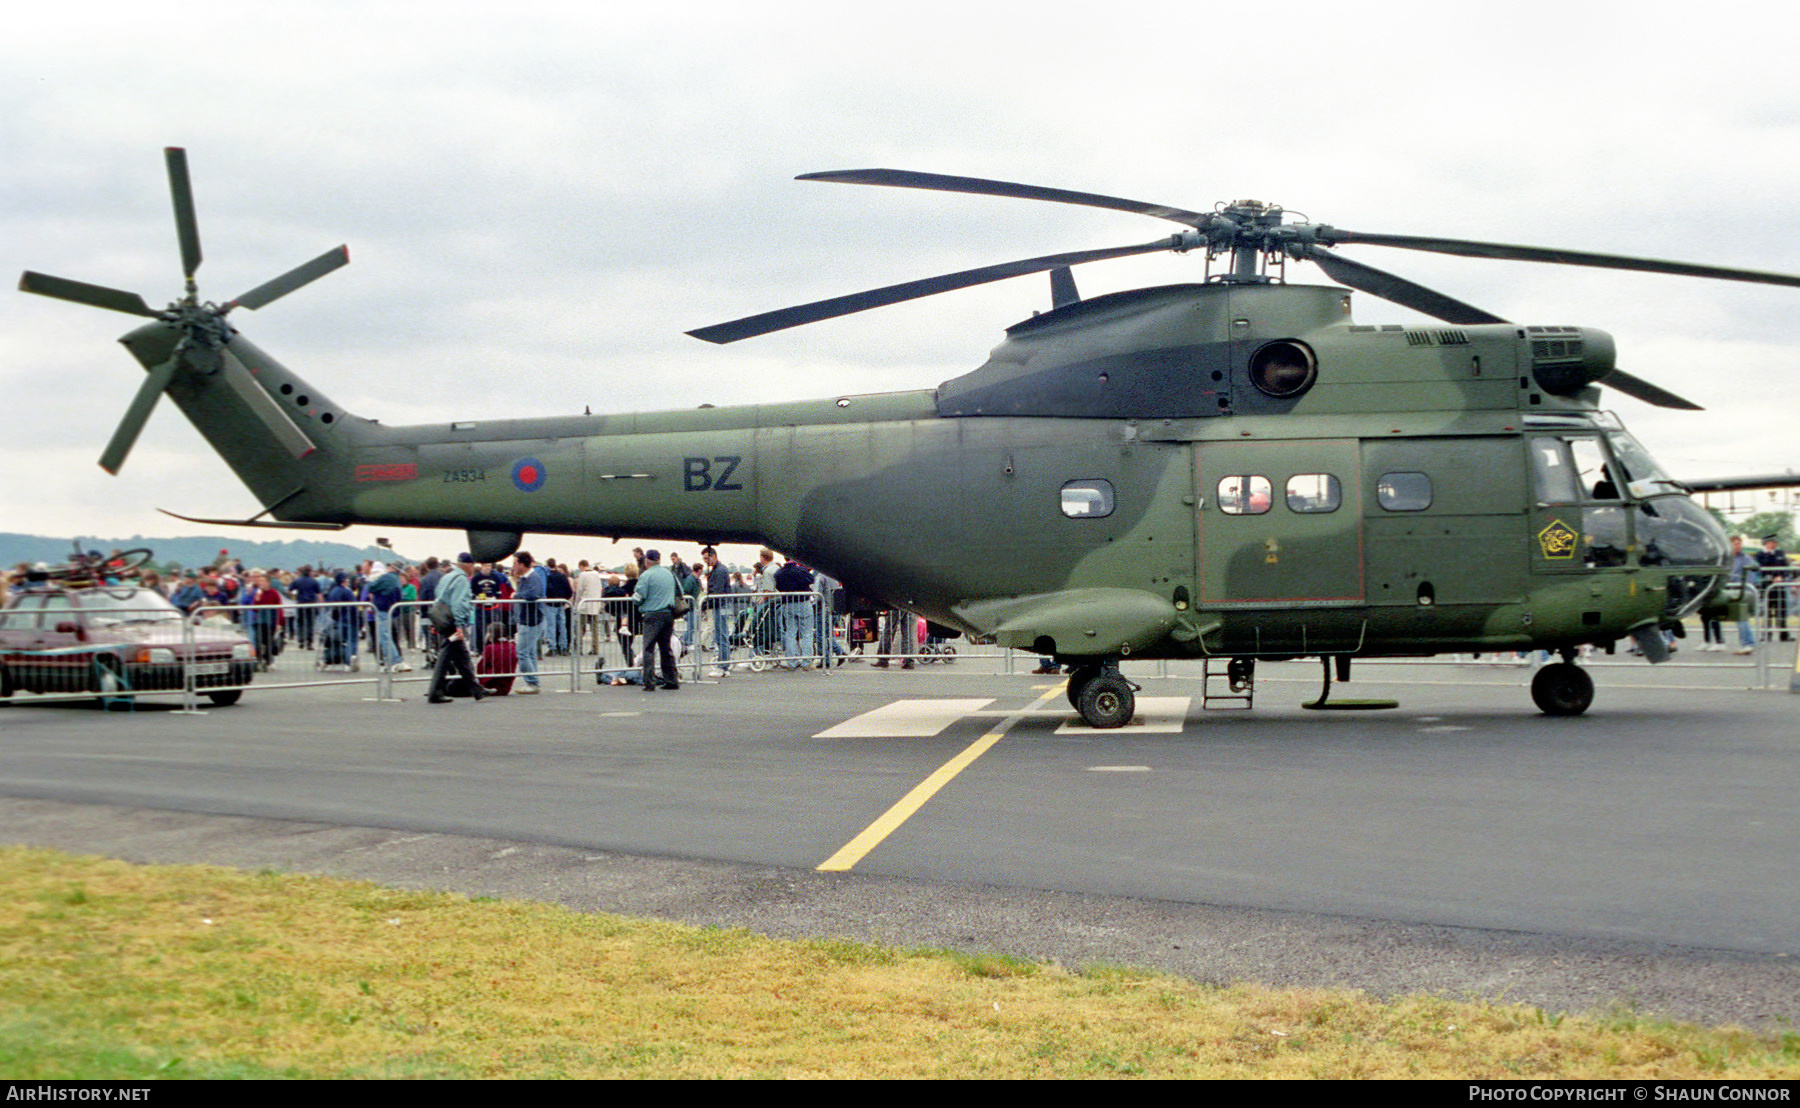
point(1404, 492)
point(1313, 492)
point(1245, 495)
point(1087, 499)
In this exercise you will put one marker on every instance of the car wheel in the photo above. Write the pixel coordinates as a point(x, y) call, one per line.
point(109, 676)
point(6, 685)
point(225, 698)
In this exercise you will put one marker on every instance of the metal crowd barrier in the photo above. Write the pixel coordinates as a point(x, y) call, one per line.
point(731, 633)
point(509, 642)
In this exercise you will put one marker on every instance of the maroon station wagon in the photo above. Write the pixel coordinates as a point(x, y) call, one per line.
point(115, 639)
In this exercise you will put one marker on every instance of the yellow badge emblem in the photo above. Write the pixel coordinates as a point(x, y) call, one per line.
point(1557, 540)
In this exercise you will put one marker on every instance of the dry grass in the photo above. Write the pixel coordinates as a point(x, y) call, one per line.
point(121, 971)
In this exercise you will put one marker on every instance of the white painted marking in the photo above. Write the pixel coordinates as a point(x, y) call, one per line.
point(1156, 715)
point(1118, 769)
point(904, 719)
point(1437, 730)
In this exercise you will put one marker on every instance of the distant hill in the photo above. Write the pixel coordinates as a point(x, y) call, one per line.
point(192, 552)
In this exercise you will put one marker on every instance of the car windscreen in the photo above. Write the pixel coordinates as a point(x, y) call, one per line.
point(107, 607)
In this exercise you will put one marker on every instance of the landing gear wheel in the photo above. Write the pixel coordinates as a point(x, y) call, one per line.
point(1078, 681)
point(1107, 701)
point(1562, 689)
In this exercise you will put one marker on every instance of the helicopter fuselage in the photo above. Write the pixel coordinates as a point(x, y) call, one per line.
point(1173, 472)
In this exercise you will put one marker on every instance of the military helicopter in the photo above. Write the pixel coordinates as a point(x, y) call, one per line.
point(1231, 470)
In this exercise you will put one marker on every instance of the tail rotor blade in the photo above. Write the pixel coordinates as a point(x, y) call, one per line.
point(273, 417)
point(95, 296)
point(138, 413)
point(187, 225)
point(301, 275)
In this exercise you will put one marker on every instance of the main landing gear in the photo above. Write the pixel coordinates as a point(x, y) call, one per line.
point(1562, 688)
point(1102, 695)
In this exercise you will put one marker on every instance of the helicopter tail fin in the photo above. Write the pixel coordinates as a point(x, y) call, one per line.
point(282, 437)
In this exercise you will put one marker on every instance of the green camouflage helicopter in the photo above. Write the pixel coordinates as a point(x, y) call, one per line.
point(1231, 470)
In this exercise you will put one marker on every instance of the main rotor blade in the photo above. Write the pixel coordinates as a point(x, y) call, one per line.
point(1639, 389)
point(113, 457)
point(187, 225)
point(96, 296)
point(906, 179)
point(1335, 236)
point(1386, 285)
point(1734, 484)
point(751, 326)
point(300, 275)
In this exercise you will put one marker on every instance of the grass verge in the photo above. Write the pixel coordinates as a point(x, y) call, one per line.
point(110, 970)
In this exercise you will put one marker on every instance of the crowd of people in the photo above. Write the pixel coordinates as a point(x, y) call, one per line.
point(499, 619)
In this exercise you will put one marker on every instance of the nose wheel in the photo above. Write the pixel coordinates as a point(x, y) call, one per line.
point(1102, 695)
point(1562, 689)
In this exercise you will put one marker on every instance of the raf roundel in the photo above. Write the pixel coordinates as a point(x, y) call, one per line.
point(528, 475)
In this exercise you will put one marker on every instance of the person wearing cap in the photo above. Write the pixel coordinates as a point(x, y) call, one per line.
point(656, 592)
point(453, 591)
point(1771, 556)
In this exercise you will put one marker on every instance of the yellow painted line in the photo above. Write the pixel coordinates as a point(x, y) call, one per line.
point(872, 836)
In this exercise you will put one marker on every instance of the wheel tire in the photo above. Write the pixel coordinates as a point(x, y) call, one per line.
point(1078, 681)
point(6, 685)
point(1562, 689)
point(1107, 702)
point(111, 679)
point(225, 698)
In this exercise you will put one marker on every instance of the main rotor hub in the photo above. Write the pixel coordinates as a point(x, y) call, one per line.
point(1249, 231)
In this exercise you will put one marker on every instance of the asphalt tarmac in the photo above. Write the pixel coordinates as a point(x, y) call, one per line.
point(1461, 844)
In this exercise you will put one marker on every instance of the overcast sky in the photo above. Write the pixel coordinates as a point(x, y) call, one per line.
point(539, 204)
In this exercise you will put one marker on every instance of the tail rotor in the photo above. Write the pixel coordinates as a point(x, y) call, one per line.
point(202, 329)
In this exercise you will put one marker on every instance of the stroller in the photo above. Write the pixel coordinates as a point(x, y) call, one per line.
point(757, 637)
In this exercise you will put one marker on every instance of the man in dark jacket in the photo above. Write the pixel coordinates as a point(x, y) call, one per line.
point(798, 628)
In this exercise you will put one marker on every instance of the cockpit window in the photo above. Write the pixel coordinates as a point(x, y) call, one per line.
point(1554, 471)
point(1568, 469)
point(1597, 479)
point(1642, 475)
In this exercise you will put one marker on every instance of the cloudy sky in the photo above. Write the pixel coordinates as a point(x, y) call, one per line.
point(538, 205)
